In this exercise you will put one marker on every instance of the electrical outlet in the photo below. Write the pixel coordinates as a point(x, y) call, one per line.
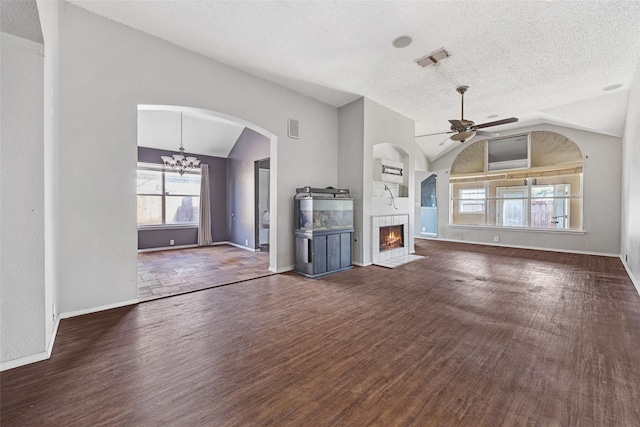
point(53, 310)
point(246, 242)
point(424, 229)
point(172, 242)
point(625, 258)
point(496, 238)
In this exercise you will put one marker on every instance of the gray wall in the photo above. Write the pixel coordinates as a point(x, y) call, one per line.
point(630, 241)
point(22, 274)
point(602, 155)
point(159, 238)
point(241, 186)
point(351, 166)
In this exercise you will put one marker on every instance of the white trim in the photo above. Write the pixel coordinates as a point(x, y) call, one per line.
point(282, 269)
point(53, 336)
point(167, 248)
point(527, 229)
point(166, 227)
point(246, 248)
point(537, 248)
point(38, 357)
point(75, 313)
point(15, 363)
point(361, 264)
point(633, 279)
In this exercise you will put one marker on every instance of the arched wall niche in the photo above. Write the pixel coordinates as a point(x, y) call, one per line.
point(547, 149)
point(389, 151)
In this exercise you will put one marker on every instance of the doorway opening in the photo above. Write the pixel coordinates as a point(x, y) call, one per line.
point(429, 207)
point(174, 257)
point(263, 215)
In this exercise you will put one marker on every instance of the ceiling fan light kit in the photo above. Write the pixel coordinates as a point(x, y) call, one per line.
point(463, 136)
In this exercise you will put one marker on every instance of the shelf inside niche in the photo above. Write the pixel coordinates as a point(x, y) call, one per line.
point(399, 191)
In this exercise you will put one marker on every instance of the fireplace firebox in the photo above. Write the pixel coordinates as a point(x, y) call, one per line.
point(391, 237)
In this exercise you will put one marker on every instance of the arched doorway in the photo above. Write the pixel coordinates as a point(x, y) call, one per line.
point(230, 147)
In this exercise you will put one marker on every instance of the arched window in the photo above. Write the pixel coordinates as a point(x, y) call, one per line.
point(531, 180)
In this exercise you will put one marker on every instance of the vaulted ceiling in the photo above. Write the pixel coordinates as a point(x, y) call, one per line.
point(541, 61)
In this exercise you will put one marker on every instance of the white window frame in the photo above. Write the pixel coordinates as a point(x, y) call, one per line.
point(468, 201)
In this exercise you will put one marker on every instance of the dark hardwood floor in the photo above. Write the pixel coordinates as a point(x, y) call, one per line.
point(468, 335)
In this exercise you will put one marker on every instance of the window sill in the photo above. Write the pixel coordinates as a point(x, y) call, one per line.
point(529, 230)
point(166, 227)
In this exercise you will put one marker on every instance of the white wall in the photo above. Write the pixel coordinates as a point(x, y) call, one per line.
point(350, 172)
point(106, 70)
point(22, 275)
point(48, 12)
point(385, 126)
point(602, 155)
point(363, 125)
point(630, 241)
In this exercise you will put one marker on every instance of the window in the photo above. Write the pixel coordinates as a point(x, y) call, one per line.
point(166, 198)
point(543, 202)
point(550, 206)
point(471, 200)
point(512, 206)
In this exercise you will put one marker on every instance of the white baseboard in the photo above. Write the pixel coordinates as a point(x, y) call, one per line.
point(54, 333)
point(361, 264)
point(21, 361)
point(167, 248)
point(633, 279)
point(246, 248)
point(281, 269)
point(75, 313)
point(535, 248)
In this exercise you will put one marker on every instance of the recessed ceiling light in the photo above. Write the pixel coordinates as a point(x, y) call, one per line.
point(612, 87)
point(492, 116)
point(402, 41)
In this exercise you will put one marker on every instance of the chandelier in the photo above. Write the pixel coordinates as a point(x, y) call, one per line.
point(179, 162)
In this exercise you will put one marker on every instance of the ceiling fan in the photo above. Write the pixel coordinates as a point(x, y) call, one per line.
point(463, 130)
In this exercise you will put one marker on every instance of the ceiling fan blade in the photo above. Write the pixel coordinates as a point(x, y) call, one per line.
point(442, 143)
point(496, 123)
point(457, 124)
point(487, 134)
point(432, 134)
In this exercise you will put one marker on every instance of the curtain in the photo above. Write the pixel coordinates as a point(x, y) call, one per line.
point(204, 224)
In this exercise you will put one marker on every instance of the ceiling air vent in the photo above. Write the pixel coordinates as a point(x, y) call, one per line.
point(293, 129)
point(433, 58)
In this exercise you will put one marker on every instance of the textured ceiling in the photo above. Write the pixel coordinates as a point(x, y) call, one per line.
point(21, 19)
point(201, 134)
point(541, 61)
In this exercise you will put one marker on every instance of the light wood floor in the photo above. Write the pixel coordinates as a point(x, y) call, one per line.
point(467, 336)
point(178, 271)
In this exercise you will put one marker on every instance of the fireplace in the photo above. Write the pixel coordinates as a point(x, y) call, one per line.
point(385, 245)
point(391, 237)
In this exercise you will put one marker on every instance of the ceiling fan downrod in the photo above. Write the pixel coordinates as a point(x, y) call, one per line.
point(461, 90)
